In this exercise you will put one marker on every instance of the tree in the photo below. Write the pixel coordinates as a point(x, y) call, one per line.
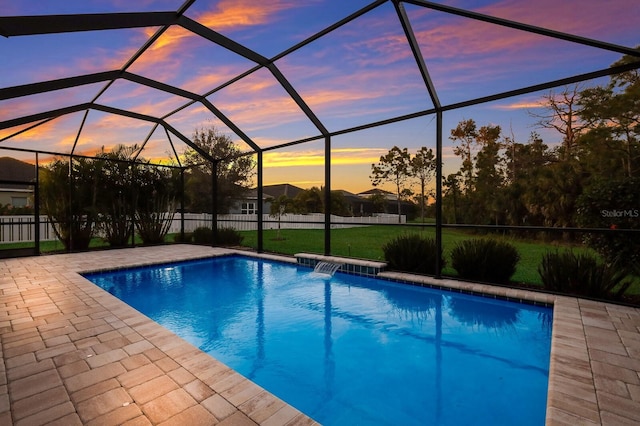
point(527, 164)
point(465, 134)
point(156, 201)
point(481, 173)
point(118, 195)
point(234, 171)
point(423, 168)
point(339, 204)
point(613, 204)
point(310, 200)
point(112, 190)
point(489, 177)
point(279, 206)
point(395, 168)
point(451, 197)
point(613, 115)
point(379, 202)
point(562, 113)
point(69, 194)
point(561, 182)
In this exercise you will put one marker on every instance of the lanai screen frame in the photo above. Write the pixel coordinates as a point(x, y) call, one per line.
point(51, 24)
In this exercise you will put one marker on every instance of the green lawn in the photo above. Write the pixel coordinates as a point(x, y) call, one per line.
point(366, 243)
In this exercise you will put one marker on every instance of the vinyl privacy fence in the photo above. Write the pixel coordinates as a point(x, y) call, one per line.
point(15, 229)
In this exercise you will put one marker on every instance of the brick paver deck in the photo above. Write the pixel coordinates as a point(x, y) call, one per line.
point(73, 354)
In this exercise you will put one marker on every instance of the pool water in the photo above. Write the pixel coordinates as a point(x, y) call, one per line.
point(350, 350)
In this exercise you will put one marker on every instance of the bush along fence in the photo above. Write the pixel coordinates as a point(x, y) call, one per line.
point(14, 229)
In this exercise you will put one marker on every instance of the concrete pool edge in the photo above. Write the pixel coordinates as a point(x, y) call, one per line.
point(594, 373)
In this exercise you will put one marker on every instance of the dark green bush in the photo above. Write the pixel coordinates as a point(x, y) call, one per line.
point(229, 237)
point(412, 253)
point(582, 274)
point(202, 235)
point(225, 237)
point(188, 237)
point(484, 259)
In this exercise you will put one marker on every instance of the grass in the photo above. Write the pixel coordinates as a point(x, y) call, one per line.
point(366, 243)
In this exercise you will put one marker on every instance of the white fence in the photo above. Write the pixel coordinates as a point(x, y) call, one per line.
point(14, 229)
point(297, 221)
point(21, 228)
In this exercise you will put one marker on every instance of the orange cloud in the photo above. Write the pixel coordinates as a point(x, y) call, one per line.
point(227, 15)
point(524, 104)
point(47, 135)
point(164, 57)
point(113, 122)
point(208, 79)
point(7, 132)
point(33, 104)
point(231, 14)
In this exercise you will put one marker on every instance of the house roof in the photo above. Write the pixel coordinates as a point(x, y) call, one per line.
point(273, 191)
point(12, 170)
point(374, 191)
point(278, 190)
point(351, 196)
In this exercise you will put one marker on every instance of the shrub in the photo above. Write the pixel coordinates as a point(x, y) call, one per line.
point(485, 260)
point(188, 237)
point(202, 235)
point(71, 204)
point(228, 237)
point(412, 253)
point(155, 209)
point(116, 202)
point(582, 274)
point(225, 237)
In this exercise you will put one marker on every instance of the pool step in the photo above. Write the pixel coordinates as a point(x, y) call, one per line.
point(348, 265)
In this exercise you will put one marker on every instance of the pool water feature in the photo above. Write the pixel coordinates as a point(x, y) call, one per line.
point(348, 349)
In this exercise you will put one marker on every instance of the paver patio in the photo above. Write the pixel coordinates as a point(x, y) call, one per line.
point(74, 354)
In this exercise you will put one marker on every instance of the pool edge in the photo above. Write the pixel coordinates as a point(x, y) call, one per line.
point(594, 375)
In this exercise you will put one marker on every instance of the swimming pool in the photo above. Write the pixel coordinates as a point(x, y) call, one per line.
point(353, 350)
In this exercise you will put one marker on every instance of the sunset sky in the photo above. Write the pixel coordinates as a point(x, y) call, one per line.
point(360, 73)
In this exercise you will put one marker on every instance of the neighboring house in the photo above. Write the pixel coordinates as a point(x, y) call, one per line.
point(388, 196)
point(16, 194)
point(248, 204)
point(275, 191)
point(360, 204)
point(390, 202)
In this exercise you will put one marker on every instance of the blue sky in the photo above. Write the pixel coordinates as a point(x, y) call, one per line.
point(360, 73)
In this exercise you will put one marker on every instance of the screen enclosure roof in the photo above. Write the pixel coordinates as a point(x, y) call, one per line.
point(78, 76)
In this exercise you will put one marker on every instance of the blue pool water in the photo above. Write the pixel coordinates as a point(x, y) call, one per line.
point(353, 350)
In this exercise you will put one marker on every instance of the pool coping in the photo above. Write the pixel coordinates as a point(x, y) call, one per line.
point(74, 354)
